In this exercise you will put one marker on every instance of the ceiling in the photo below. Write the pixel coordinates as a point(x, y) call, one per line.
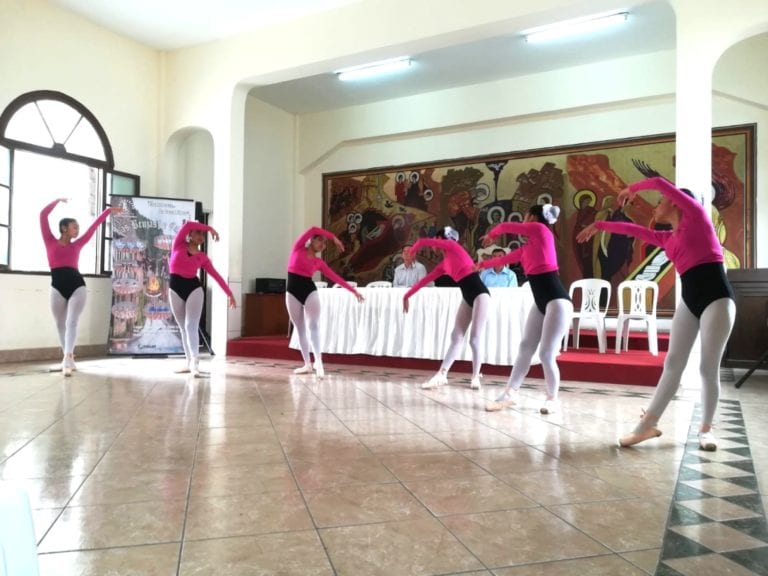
point(176, 23)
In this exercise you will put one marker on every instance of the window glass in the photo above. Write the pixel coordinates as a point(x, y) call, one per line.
point(38, 180)
point(60, 118)
point(84, 141)
point(5, 214)
point(27, 126)
point(3, 246)
point(5, 167)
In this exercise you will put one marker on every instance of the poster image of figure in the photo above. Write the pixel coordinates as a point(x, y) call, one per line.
point(141, 322)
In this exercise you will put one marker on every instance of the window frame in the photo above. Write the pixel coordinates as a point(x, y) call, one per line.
point(106, 168)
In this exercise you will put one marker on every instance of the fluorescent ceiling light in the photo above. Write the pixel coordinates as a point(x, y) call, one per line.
point(574, 27)
point(374, 69)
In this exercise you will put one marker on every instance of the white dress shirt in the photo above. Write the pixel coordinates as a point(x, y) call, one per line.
point(407, 276)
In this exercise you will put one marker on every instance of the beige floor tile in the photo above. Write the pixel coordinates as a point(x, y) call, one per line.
point(718, 509)
point(362, 504)
point(235, 434)
point(468, 495)
point(137, 487)
point(507, 460)
point(24, 465)
point(413, 547)
point(477, 439)
point(43, 519)
point(646, 560)
point(563, 486)
point(649, 479)
point(287, 554)
point(245, 515)
point(314, 475)
point(718, 537)
point(153, 560)
point(598, 566)
point(242, 479)
point(49, 492)
point(708, 565)
point(397, 443)
point(260, 452)
point(314, 448)
point(114, 525)
point(431, 465)
point(621, 525)
point(514, 537)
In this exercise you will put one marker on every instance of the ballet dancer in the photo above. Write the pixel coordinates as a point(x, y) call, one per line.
point(301, 296)
point(707, 308)
point(549, 317)
point(185, 290)
point(474, 307)
point(68, 294)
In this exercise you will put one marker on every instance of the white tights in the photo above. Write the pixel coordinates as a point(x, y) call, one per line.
point(714, 326)
point(306, 321)
point(67, 313)
point(546, 332)
point(187, 315)
point(477, 315)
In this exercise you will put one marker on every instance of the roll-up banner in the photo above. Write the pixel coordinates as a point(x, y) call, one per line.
point(141, 322)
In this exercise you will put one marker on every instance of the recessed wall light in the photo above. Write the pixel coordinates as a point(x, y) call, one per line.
point(374, 69)
point(574, 27)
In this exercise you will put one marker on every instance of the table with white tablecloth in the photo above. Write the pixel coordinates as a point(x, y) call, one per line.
point(378, 326)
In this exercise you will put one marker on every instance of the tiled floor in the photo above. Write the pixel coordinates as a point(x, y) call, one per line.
point(133, 470)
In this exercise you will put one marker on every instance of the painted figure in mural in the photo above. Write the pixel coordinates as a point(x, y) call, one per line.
point(185, 291)
point(550, 317)
point(707, 308)
point(301, 296)
point(584, 201)
point(68, 294)
point(474, 307)
point(615, 253)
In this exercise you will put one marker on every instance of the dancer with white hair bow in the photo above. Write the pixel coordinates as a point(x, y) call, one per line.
point(550, 317)
point(474, 308)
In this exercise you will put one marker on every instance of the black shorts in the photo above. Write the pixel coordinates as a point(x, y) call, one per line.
point(184, 286)
point(703, 284)
point(471, 287)
point(66, 281)
point(300, 286)
point(546, 287)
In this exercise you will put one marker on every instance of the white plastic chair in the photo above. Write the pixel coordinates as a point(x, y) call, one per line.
point(353, 284)
point(379, 284)
point(591, 290)
point(641, 307)
point(321, 284)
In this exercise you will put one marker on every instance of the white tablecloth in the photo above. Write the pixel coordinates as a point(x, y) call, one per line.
point(378, 326)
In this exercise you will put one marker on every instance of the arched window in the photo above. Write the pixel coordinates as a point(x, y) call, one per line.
point(51, 146)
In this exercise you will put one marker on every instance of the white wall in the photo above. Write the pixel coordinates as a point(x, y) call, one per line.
point(45, 48)
point(269, 183)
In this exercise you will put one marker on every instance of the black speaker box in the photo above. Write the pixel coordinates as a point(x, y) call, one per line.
point(269, 285)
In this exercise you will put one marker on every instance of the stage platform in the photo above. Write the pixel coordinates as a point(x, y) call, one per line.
point(636, 366)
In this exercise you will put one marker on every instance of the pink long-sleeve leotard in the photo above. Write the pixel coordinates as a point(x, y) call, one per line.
point(538, 255)
point(186, 265)
point(694, 242)
point(304, 264)
point(456, 263)
point(65, 255)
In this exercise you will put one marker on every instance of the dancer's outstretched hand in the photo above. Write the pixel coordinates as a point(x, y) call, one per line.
point(64, 200)
point(214, 235)
point(486, 241)
point(623, 197)
point(360, 297)
point(586, 233)
point(405, 305)
point(232, 302)
point(339, 244)
point(115, 210)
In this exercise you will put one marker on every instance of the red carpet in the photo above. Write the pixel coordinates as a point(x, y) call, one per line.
point(586, 364)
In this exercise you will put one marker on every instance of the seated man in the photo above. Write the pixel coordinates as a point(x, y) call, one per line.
point(499, 276)
point(410, 271)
